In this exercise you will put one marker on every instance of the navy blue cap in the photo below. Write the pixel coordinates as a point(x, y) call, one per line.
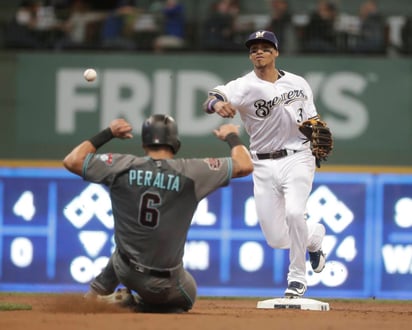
point(260, 36)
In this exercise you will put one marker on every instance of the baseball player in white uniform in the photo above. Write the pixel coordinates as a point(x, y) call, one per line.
point(272, 103)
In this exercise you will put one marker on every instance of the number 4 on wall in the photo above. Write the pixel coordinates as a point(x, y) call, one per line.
point(24, 207)
point(347, 249)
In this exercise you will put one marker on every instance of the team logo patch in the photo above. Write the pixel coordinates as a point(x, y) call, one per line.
point(264, 107)
point(213, 163)
point(107, 158)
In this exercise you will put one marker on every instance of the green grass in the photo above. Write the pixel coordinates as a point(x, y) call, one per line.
point(5, 306)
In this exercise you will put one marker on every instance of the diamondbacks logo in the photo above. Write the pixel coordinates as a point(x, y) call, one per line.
point(107, 158)
point(213, 163)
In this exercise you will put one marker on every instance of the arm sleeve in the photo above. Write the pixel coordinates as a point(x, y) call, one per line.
point(231, 92)
point(311, 108)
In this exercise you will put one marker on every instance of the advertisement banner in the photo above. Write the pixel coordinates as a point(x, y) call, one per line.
point(355, 99)
point(56, 234)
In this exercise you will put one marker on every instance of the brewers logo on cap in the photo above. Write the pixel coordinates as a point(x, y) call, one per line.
point(262, 35)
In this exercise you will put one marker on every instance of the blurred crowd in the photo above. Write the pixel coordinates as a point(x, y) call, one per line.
point(164, 25)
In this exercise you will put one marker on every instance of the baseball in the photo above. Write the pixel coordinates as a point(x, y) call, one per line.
point(90, 74)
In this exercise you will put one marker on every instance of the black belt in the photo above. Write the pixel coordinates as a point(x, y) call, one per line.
point(144, 270)
point(275, 154)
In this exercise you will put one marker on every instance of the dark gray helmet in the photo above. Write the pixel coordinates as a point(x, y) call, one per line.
point(160, 130)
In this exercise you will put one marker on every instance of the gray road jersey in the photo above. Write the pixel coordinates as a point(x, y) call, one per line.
point(153, 201)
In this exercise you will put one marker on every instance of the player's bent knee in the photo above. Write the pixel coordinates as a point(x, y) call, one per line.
point(278, 243)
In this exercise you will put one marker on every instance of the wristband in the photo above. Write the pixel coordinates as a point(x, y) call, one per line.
point(233, 140)
point(101, 138)
point(211, 104)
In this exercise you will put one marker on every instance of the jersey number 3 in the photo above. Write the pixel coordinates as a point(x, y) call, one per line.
point(148, 213)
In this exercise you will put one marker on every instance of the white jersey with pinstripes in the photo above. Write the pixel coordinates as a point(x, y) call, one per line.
point(271, 112)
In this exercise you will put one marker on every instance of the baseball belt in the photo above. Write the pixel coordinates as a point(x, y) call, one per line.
point(276, 154)
point(144, 270)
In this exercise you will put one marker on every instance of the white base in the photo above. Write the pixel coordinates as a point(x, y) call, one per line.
point(293, 303)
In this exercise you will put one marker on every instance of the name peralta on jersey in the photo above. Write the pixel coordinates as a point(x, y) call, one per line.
point(153, 201)
point(271, 112)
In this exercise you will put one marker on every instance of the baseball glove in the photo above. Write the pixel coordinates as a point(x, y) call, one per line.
point(320, 137)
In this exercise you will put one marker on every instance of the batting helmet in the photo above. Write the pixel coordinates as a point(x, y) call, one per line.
point(160, 130)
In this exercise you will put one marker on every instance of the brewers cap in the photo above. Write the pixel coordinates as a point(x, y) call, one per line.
point(260, 36)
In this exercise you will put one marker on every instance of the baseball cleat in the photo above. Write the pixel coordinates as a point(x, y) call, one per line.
point(295, 290)
point(317, 260)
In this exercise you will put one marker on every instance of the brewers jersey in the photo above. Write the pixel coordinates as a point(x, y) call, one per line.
point(271, 112)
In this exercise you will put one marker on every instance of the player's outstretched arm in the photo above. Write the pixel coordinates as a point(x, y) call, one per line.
point(222, 108)
point(74, 160)
point(242, 163)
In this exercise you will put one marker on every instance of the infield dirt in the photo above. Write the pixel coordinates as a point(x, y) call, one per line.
point(71, 311)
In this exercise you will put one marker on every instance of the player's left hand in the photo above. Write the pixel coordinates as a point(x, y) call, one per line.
point(223, 131)
point(121, 129)
point(320, 137)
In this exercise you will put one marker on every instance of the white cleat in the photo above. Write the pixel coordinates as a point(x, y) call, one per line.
point(317, 260)
point(295, 290)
